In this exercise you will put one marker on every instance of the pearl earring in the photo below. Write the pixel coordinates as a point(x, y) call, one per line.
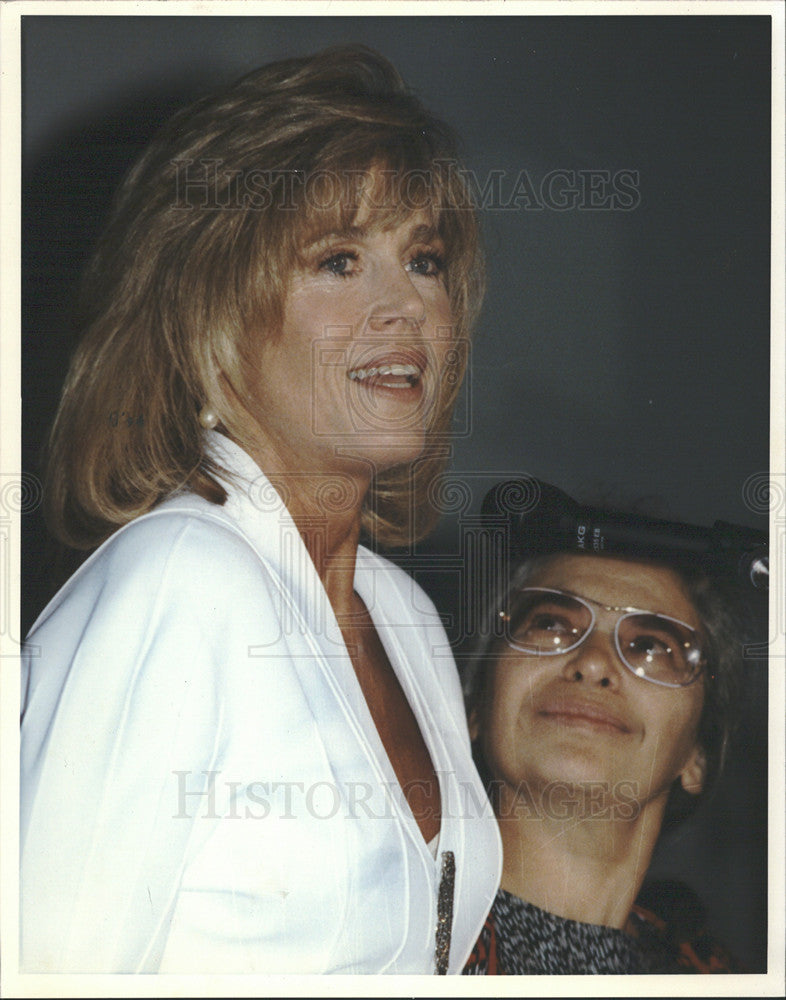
point(208, 418)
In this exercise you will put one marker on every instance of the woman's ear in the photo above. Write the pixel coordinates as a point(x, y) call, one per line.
point(694, 772)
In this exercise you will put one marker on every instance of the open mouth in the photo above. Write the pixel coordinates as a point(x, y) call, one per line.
point(391, 376)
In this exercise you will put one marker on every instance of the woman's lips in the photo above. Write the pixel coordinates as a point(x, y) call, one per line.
point(393, 370)
point(583, 713)
point(391, 376)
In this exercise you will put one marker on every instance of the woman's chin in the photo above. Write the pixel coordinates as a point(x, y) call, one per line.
point(386, 450)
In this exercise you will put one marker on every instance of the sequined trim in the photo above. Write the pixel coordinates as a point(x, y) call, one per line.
point(445, 912)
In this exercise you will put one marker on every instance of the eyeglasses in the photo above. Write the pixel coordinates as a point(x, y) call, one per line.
point(655, 647)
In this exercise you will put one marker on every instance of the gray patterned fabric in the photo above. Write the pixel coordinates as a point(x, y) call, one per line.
point(531, 941)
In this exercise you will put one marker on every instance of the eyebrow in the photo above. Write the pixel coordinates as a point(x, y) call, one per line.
point(421, 233)
point(425, 233)
point(351, 233)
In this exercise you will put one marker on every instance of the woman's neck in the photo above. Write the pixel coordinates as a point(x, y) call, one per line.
point(583, 864)
point(326, 504)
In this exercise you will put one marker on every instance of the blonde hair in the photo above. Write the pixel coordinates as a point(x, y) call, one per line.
point(192, 269)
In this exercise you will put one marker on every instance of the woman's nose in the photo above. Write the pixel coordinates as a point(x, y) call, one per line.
point(595, 661)
point(397, 301)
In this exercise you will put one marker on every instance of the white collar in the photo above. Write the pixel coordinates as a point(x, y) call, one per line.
point(258, 508)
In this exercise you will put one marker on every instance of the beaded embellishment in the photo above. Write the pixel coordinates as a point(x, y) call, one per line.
point(445, 912)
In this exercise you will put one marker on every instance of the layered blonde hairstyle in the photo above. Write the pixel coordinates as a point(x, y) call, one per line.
point(192, 270)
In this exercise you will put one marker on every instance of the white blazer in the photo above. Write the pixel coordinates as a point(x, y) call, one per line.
point(203, 787)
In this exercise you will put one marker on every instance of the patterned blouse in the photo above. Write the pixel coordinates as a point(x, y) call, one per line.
point(521, 939)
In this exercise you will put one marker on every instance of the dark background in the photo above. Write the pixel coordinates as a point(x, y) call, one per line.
point(622, 354)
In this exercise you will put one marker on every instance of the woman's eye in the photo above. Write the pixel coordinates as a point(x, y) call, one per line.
point(550, 623)
point(339, 264)
point(427, 264)
point(650, 646)
point(545, 632)
point(544, 622)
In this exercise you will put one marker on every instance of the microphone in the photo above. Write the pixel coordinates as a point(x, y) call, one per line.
point(543, 519)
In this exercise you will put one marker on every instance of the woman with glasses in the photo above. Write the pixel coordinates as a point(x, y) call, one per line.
point(601, 707)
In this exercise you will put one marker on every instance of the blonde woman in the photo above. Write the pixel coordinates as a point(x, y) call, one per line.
point(243, 738)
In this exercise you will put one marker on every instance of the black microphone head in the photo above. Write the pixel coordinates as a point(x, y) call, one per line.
point(541, 520)
point(535, 510)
